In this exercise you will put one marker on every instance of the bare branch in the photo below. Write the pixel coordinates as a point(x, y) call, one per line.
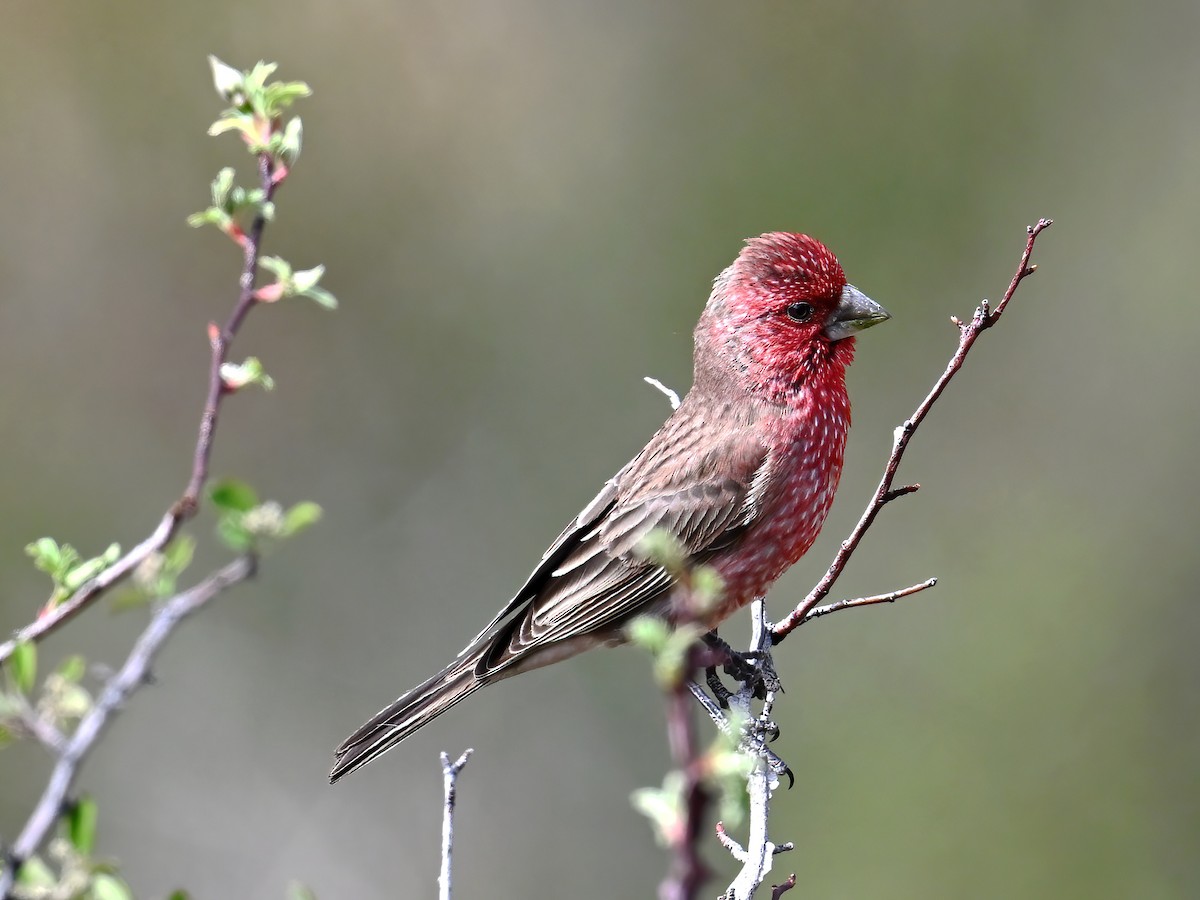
point(220, 339)
point(133, 674)
point(450, 773)
point(968, 333)
point(890, 597)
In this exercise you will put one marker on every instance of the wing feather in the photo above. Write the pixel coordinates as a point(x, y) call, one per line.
point(592, 577)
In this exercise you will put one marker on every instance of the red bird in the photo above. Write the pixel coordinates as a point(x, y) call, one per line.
point(742, 474)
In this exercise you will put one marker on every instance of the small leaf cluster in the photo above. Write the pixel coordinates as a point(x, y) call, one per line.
point(235, 376)
point(247, 524)
point(229, 203)
point(68, 570)
point(69, 870)
point(699, 588)
point(157, 576)
point(291, 282)
point(26, 712)
point(724, 767)
point(256, 112)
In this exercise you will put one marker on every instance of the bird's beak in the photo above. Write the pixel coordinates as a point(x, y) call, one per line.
point(855, 311)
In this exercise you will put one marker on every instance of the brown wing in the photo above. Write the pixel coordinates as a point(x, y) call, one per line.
point(703, 491)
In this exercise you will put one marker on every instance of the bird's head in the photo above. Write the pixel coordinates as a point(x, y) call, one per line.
point(782, 315)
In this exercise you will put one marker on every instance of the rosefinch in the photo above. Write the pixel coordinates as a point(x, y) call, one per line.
point(742, 474)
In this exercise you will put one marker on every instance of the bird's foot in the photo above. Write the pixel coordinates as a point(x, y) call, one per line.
point(752, 668)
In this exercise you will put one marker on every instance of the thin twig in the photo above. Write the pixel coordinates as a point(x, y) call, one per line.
point(778, 890)
point(133, 674)
point(42, 730)
point(890, 597)
point(183, 509)
point(450, 773)
point(968, 333)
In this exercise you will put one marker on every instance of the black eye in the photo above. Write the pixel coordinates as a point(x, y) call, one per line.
point(799, 312)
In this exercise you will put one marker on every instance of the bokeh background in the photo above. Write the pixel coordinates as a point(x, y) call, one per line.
point(521, 206)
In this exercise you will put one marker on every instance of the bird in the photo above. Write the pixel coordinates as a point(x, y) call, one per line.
point(742, 475)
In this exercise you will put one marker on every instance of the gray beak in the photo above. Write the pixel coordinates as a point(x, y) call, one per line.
point(855, 311)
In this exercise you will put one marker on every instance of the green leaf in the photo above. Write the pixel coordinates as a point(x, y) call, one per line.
point(23, 666)
point(210, 216)
point(299, 517)
point(233, 495)
point(670, 662)
point(178, 555)
point(109, 887)
point(221, 187)
point(257, 77)
point(663, 548)
point(291, 141)
point(306, 279)
point(238, 375)
point(66, 700)
point(72, 669)
point(707, 588)
point(52, 559)
point(279, 97)
point(298, 891)
point(6, 736)
point(180, 895)
point(280, 268)
point(661, 806)
point(233, 533)
point(231, 123)
point(649, 632)
point(228, 81)
point(35, 873)
point(89, 569)
point(81, 825)
point(322, 296)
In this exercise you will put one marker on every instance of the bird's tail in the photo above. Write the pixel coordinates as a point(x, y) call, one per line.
point(401, 718)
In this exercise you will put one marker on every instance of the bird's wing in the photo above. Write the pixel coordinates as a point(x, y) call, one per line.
point(704, 492)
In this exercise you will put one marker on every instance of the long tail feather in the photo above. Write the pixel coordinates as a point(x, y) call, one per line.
point(415, 709)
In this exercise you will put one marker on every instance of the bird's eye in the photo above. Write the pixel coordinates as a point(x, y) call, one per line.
point(799, 312)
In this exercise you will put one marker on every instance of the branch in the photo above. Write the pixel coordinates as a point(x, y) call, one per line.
point(450, 772)
point(759, 850)
point(968, 333)
point(688, 871)
point(133, 674)
point(890, 597)
point(186, 506)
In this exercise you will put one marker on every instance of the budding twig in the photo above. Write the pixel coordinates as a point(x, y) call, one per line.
point(132, 675)
point(186, 506)
point(968, 333)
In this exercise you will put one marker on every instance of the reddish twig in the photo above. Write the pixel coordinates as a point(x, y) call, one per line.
point(133, 674)
point(778, 890)
point(688, 871)
point(968, 333)
point(186, 506)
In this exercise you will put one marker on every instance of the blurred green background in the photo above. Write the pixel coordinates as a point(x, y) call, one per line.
point(521, 206)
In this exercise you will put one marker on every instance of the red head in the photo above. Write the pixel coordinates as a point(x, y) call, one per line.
point(781, 315)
